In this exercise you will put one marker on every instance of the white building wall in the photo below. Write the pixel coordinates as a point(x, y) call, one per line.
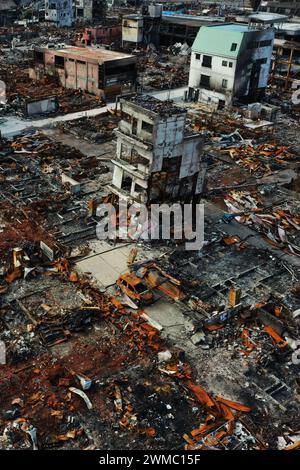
point(217, 72)
point(238, 76)
point(132, 30)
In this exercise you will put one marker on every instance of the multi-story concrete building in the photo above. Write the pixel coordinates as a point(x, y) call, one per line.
point(163, 28)
point(8, 12)
point(177, 27)
point(285, 64)
point(230, 62)
point(133, 29)
point(98, 71)
point(156, 159)
point(83, 10)
point(138, 29)
point(59, 12)
point(288, 7)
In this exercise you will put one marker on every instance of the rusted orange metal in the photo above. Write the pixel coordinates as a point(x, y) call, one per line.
point(231, 240)
point(134, 287)
point(155, 280)
point(16, 274)
point(276, 337)
point(214, 327)
point(294, 446)
point(199, 432)
point(233, 404)
point(201, 394)
point(245, 339)
point(226, 412)
point(278, 310)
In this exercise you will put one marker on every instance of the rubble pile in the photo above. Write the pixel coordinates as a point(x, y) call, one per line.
point(263, 158)
point(277, 224)
point(21, 91)
point(161, 72)
point(93, 129)
point(137, 342)
point(45, 188)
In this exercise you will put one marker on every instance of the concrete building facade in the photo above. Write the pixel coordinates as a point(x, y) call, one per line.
point(8, 12)
point(59, 12)
point(289, 7)
point(133, 29)
point(97, 71)
point(230, 62)
point(83, 10)
point(161, 28)
point(156, 159)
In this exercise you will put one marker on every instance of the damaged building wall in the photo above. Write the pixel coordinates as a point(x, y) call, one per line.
point(254, 63)
point(133, 29)
point(153, 151)
point(83, 10)
point(59, 12)
point(286, 7)
point(8, 11)
point(229, 62)
point(285, 60)
point(103, 73)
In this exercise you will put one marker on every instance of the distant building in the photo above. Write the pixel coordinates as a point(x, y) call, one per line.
point(157, 160)
point(285, 64)
point(97, 71)
point(83, 10)
point(133, 29)
point(177, 27)
point(101, 35)
point(8, 12)
point(231, 62)
point(59, 12)
point(163, 28)
point(289, 7)
point(142, 29)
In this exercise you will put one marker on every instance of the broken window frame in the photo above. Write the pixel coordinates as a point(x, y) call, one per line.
point(59, 62)
point(147, 127)
point(205, 82)
point(224, 83)
point(126, 117)
point(206, 61)
point(265, 43)
point(262, 61)
point(39, 57)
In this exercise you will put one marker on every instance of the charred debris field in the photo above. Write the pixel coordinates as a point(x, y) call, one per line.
point(138, 342)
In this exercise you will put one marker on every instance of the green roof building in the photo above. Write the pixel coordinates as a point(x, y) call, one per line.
point(230, 62)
